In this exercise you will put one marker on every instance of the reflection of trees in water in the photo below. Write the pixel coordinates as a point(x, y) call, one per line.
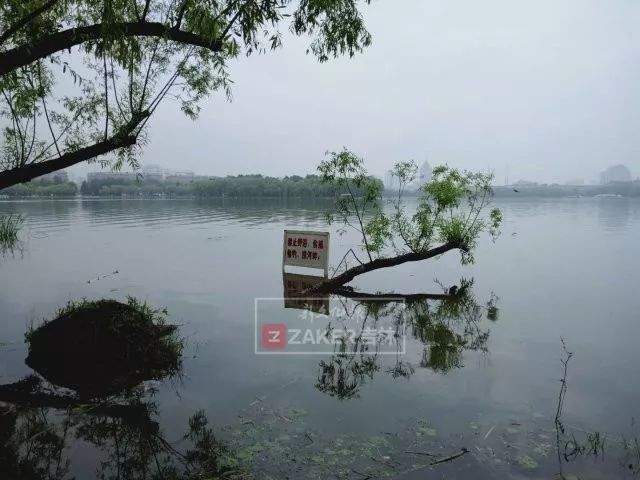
point(344, 373)
point(92, 362)
point(243, 211)
point(613, 213)
point(33, 442)
point(447, 326)
point(356, 360)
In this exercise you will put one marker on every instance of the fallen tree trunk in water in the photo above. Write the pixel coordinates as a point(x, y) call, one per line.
point(333, 284)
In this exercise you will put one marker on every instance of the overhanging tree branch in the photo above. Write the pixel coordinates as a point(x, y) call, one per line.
point(125, 137)
point(39, 29)
point(27, 19)
point(17, 57)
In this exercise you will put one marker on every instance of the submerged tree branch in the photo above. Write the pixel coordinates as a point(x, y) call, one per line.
point(334, 283)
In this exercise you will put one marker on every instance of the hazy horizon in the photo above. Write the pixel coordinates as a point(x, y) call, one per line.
point(545, 92)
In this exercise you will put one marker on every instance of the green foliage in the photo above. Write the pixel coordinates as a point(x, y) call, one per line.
point(338, 26)
point(241, 186)
point(139, 314)
point(42, 189)
point(245, 186)
point(103, 347)
point(359, 206)
point(9, 229)
point(378, 231)
point(208, 457)
point(452, 207)
point(120, 77)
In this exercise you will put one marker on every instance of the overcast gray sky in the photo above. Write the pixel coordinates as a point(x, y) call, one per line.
point(545, 90)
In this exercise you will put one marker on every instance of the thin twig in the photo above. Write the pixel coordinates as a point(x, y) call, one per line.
point(450, 457)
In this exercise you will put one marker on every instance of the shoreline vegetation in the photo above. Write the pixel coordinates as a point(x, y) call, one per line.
point(10, 226)
point(259, 186)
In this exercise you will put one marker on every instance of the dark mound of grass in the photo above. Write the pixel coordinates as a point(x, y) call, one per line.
point(103, 347)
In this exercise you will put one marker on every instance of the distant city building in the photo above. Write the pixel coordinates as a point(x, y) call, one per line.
point(525, 183)
point(390, 181)
point(575, 181)
point(153, 173)
point(55, 177)
point(616, 173)
point(102, 176)
point(424, 173)
point(179, 177)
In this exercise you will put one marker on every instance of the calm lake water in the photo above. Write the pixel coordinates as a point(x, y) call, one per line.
point(561, 269)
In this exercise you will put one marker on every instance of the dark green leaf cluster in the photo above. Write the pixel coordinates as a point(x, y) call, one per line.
point(452, 209)
point(338, 25)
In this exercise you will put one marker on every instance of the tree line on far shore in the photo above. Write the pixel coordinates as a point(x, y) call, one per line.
point(241, 186)
point(259, 186)
point(41, 188)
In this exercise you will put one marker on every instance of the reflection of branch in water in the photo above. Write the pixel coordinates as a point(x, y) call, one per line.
point(448, 329)
point(30, 393)
point(401, 369)
point(561, 395)
point(342, 377)
point(446, 323)
point(345, 372)
point(451, 293)
point(13, 250)
point(492, 308)
point(30, 445)
point(398, 297)
point(348, 369)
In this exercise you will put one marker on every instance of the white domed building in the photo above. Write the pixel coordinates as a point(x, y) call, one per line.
point(617, 173)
